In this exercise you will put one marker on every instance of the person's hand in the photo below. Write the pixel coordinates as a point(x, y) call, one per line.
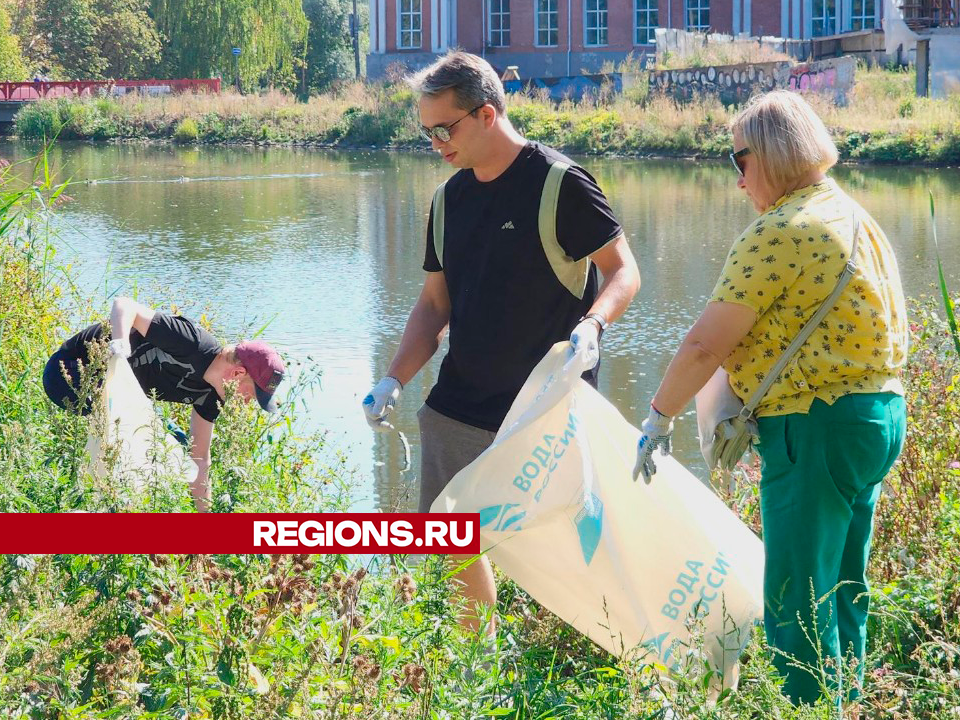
point(380, 402)
point(585, 341)
point(655, 433)
point(119, 347)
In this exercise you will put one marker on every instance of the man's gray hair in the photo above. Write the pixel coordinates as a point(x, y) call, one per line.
point(473, 81)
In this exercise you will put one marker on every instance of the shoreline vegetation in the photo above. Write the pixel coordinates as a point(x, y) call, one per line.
point(326, 636)
point(884, 122)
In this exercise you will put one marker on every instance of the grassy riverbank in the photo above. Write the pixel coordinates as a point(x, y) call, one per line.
point(884, 121)
point(136, 636)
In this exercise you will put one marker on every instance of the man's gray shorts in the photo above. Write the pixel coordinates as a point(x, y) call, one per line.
point(446, 447)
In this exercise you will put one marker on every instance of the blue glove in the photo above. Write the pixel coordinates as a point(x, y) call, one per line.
point(380, 402)
point(655, 433)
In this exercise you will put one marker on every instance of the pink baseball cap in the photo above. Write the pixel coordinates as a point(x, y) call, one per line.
point(265, 367)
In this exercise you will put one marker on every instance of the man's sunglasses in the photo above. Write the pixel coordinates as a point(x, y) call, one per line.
point(735, 159)
point(442, 132)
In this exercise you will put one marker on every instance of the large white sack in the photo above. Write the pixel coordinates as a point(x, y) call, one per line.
point(624, 562)
point(134, 433)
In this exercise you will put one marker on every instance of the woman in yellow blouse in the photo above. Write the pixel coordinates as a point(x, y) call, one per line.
point(833, 422)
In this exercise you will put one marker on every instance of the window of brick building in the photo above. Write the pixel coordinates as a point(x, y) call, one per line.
point(548, 33)
point(595, 22)
point(646, 22)
point(499, 23)
point(409, 24)
point(863, 15)
point(824, 17)
point(697, 15)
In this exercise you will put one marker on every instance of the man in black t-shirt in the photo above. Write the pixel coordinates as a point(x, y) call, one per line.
point(514, 243)
point(178, 361)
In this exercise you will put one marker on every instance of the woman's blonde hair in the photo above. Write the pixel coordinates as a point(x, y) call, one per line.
point(785, 135)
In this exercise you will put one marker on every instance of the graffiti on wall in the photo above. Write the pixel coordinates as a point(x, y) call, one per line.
point(734, 84)
point(803, 78)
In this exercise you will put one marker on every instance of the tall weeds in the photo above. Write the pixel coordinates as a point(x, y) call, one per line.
point(249, 636)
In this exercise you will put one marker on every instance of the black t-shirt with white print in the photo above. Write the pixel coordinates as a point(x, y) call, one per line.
point(170, 361)
point(507, 306)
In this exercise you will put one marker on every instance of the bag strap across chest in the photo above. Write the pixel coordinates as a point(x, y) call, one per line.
point(572, 274)
point(848, 272)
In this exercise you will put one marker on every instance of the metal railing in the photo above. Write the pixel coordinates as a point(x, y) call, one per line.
point(37, 90)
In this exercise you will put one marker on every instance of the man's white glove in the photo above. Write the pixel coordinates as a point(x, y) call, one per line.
point(585, 341)
point(119, 347)
point(655, 433)
point(380, 402)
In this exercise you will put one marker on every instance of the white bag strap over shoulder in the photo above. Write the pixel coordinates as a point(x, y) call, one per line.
point(438, 212)
point(572, 274)
point(848, 272)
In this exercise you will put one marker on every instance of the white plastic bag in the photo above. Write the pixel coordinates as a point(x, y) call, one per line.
point(133, 446)
point(624, 562)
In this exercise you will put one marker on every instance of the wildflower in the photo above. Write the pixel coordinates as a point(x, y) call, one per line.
point(414, 676)
point(954, 465)
point(118, 645)
point(405, 587)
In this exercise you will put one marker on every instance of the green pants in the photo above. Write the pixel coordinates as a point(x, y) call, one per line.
point(820, 480)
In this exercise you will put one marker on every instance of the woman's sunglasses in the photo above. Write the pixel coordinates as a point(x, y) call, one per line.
point(735, 159)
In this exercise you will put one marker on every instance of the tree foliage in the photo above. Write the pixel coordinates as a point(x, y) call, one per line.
point(128, 41)
point(88, 39)
point(329, 55)
point(291, 44)
point(200, 34)
point(12, 66)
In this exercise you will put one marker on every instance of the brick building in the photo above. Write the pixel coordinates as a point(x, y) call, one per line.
point(548, 38)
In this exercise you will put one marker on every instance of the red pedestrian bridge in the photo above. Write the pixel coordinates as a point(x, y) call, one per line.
point(13, 95)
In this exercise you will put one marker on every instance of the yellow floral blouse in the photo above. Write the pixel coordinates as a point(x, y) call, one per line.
point(784, 266)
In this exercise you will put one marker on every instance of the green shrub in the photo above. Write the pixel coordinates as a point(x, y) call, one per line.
point(596, 133)
point(186, 131)
point(910, 147)
point(37, 121)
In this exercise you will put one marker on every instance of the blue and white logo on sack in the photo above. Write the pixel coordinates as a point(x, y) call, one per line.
point(501, 518)
point(589, 522)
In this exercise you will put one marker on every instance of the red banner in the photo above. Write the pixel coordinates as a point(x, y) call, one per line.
point(184, 533)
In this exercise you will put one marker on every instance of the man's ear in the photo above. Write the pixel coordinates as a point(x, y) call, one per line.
point(489, 115)
point(235, 372)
